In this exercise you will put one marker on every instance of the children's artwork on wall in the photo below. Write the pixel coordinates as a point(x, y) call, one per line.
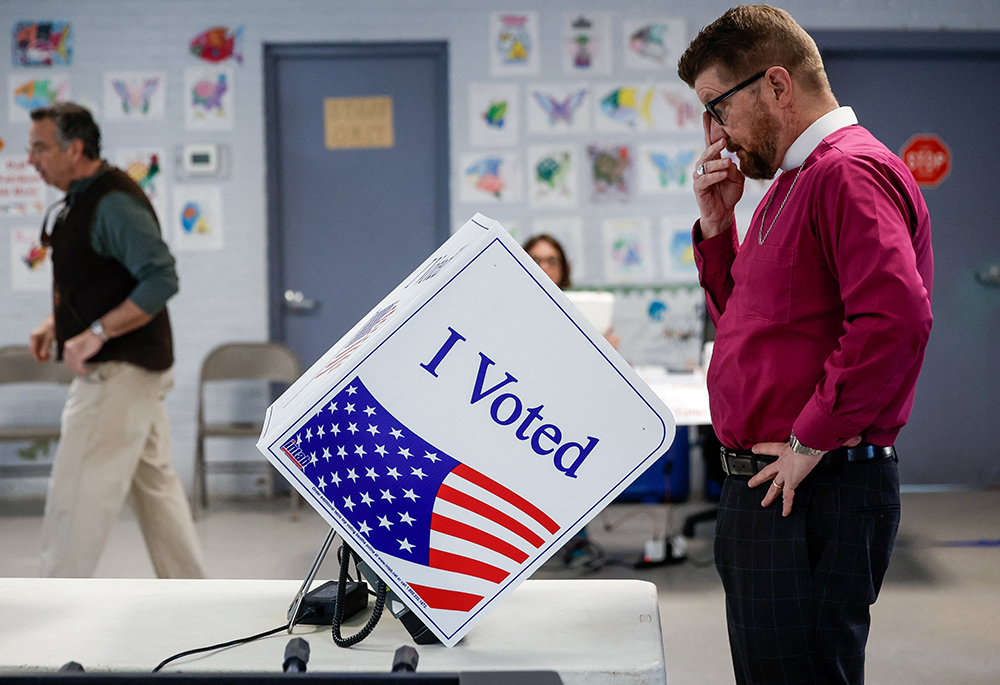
point(624, 107)
point(218, 44)
point(494, 114)
point(682, 109)
point(628, 254)
point(492, 177)
point(22, 190)
point(553, 176)
point(677, 250)
point(568, 230)
point(667, 168)
point(558, 108)
point(145, 167)
point(28, 93)
point(41, 44)
point(197, 217)
point(513, 43)
point(587, 43)
point(661, 326)
point(653, 44)
point(208, 99)
point(30, 262)
point(134, 95)
point(611, 172)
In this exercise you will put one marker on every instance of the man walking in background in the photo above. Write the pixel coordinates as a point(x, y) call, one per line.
point(112, 277)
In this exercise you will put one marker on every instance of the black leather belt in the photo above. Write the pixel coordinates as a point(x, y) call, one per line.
point(737, 463)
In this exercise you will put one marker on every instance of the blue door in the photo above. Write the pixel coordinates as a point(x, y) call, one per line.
point(907, 83)
point(346, 225)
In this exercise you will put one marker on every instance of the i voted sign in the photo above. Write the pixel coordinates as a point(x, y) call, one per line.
point(464, 430)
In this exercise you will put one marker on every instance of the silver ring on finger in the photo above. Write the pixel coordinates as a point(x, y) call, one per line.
point(700, 170)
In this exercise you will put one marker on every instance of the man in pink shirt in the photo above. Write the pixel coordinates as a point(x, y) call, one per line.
point(823, 313)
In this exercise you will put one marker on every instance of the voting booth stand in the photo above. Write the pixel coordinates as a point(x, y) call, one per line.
point(464, 430)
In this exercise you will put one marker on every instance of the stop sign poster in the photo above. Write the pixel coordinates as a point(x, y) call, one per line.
point(928, 158)
point(465, 429)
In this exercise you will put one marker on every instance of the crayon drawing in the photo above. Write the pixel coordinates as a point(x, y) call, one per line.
point(208, 99)
point(28, 93)
point(134, 96)
point(587, 43)
point(514, 43)
point(41, 44)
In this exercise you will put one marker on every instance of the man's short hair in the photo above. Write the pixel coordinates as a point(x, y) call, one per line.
point(752, 38)
point(73, 122)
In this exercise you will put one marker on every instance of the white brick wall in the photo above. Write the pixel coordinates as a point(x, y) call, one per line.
point(224, 293)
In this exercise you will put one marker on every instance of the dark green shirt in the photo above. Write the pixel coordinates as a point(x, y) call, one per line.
point(125, 231)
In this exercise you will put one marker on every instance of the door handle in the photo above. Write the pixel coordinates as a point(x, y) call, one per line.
point(295, 301)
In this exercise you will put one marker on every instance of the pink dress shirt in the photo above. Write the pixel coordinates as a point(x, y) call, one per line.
point(822, 328)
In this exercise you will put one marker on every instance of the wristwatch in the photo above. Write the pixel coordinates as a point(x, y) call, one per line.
point(799, 448)
point(97, 328)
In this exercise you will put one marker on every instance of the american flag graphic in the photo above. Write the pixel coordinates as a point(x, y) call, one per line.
point(411, 501)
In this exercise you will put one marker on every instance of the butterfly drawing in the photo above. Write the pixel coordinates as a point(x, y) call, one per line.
point(672, 169)
point(560, 109)
point(136, 99)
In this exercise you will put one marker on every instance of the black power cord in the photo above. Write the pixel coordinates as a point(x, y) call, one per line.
point(233, 643)
point(338, 614)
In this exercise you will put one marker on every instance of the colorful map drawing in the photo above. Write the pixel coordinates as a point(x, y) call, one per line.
point(42, 43)
point(40, 92)
point(611, 172)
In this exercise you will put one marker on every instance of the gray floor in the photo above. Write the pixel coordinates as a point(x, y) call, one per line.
point(937, 620)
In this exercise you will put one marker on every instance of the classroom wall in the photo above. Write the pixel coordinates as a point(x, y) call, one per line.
point(224, 286)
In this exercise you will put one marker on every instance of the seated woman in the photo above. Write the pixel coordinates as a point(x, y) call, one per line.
point(549, 254)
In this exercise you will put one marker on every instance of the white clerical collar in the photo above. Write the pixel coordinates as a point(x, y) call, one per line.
point(809, 139)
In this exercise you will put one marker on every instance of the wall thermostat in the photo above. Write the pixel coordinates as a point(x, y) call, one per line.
point(202, 159)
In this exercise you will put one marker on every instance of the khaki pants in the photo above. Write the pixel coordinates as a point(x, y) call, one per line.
point(116, 439)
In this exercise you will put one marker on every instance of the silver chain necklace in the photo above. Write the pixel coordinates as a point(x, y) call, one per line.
point(761, 235)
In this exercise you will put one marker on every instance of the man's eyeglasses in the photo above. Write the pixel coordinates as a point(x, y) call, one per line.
point(711, 105)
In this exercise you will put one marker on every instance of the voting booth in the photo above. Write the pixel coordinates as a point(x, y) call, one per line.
point(464, 430)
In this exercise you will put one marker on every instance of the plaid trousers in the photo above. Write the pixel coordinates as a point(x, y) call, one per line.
point(799, 589)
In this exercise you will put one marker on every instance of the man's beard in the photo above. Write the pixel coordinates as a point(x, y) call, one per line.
point(758, 162)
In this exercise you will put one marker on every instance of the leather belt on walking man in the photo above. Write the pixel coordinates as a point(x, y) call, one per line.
point(738, 463)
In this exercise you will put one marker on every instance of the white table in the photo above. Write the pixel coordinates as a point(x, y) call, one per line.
point(589, 631)
point(686, 394)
